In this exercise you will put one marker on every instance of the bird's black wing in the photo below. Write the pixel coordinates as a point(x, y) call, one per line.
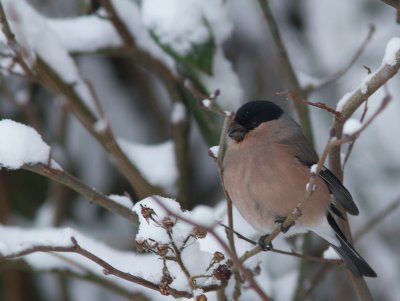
point(358, 266)
point(341, 194)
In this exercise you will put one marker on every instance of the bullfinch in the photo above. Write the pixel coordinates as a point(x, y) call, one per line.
point(265, 171)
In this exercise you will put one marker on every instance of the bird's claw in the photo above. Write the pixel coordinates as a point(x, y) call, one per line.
point(263, 246)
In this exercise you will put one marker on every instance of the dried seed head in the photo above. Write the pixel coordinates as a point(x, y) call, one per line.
point(147, 212)
point(218, 256)
point(201, 297)
point(222, 272)
point(162, 250)
point(142, 246)
point(199, 232)
point(168, 223)
point(164, 289)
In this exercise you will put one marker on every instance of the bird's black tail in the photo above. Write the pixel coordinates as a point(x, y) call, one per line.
point(356, 264)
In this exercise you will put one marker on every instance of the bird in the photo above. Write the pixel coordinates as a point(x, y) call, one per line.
point(265, 171)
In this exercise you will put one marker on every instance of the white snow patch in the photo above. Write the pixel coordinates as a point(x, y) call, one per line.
point(38, 40)
point(182, 24)
point(129, 13)
point(351, 126)
point(392, 48)
point(201, 215)
point(100, 125)
point(14, 240)
point(364, 83)
point(224, 79)
point(21, 144)
point(206, 103)
point(342, 102)
point(181, 235)
point(85, 33)
point(330, 253)
point(214, 150)
point(313, 169)
point(178, 113)
point(156, 163)
point(122, 200)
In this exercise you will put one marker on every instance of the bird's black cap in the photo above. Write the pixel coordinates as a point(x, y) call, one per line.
point(253, 113)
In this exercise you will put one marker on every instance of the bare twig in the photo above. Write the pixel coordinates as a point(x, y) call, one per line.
point(380, 216)
point(321, 105)
point(290, 76)
point(91, 195)
point(108, 269)
point(355, 57)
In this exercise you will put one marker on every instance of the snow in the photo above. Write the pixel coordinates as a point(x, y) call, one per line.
point(214, 150)
point(342, 102)
point(364, 83)
point(14, 239)
point(201, 215)
point(351, 126)
point(85, 33)
point(155, 162)
point(129, 13)
point(181, 24)
point(330, 253)
point(177, 23)
point(225, 79)
point(206, 103)
point(151, 229)
point(122, 200)
point(39, 40)
point(391, 52)
point(313, 169)
point(178, 113)
point(21, 144)
point(100, 125)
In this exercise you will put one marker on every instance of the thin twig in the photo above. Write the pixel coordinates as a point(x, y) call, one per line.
point(108, 269)
point(88, 193)
point(355, 57)
point(290, 75)
point(379, 217)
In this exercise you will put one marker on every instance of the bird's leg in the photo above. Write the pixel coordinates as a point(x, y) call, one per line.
point(280, 220)
point(262, 245)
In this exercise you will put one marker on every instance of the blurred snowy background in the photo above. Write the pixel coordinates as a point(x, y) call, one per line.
point(167, 136)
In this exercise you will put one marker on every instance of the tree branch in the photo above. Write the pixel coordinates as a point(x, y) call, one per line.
point(88, 193)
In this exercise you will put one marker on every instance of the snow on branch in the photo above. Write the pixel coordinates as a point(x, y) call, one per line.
point(21, 144)
point(170, 269)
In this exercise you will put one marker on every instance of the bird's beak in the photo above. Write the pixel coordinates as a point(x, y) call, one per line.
point(236, 132)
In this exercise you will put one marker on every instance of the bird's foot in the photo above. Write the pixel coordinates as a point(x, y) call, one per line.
point(280, 220)
point(263, 246)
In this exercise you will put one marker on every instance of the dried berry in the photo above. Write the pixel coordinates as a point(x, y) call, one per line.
point(201, 297)
point(218, 256)
point(147, 212)
point(168, 223)
point(142, 246)
point(199, 232)
point(222, 272)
